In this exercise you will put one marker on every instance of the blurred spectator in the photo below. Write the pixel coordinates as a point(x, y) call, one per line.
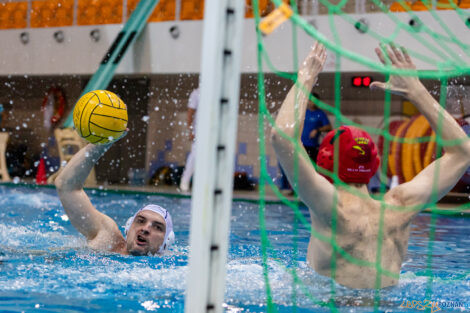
point(316, 123)
point(1, 114)
point(191, 122)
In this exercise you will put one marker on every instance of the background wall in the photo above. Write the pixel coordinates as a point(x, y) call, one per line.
point(157, 112)
point(157, 75)
point(157, 51)
point(168, 144)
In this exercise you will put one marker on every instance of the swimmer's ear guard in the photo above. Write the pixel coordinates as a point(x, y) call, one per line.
point(169, 234)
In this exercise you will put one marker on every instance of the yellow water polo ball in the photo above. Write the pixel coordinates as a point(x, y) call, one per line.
point(100, 117)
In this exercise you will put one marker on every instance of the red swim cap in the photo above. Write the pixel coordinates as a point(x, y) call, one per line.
point(358, 160)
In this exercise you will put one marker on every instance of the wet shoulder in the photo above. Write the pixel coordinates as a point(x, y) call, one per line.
point(108, 240)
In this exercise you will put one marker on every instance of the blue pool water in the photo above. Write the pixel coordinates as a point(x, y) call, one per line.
point(45, 265)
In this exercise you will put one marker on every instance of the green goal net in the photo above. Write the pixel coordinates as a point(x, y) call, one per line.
point(445, 51)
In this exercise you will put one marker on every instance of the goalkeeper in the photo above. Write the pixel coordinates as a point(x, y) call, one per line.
point(357, 215)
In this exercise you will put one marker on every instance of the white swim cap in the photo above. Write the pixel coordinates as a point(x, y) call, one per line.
point(169, 234)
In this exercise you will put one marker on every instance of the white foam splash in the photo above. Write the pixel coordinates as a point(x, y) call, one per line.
point(20, 283)
point(22, 236)
point(149, 305)
point(36, 200)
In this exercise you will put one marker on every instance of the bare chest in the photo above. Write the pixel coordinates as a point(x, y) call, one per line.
point(361, 230)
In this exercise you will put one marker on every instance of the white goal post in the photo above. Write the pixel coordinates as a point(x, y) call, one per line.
point(216, 133)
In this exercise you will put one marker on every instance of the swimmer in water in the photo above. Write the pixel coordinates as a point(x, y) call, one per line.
point(148, 232)
point(357, 215)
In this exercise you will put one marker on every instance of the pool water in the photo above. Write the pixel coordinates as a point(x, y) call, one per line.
point(45, 265)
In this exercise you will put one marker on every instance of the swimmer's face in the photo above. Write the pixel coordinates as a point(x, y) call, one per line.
point(146, 233)
point(311, 105)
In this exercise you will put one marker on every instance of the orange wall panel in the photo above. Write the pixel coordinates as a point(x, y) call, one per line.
point(94, 12)
point(13, 15)
point(397, 7)
point(165, 11)
point(464, 4)
point(192, 10)
point(265, 6)
point(52, 13)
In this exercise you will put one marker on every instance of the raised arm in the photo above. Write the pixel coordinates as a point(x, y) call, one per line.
point(448, 169)
point(81, 212)
point(314, 190)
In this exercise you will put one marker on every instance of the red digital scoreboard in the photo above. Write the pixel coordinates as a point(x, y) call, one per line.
point(361, 81)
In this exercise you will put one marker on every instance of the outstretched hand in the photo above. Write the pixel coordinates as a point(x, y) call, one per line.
point(399, 58)
point(313, 64)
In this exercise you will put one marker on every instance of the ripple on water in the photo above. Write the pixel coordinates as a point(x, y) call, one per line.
point(43, 260)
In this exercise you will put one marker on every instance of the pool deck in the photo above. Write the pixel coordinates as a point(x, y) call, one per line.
point(446, 205)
